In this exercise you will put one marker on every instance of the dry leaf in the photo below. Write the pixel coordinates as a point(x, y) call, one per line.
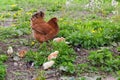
point(53, 55)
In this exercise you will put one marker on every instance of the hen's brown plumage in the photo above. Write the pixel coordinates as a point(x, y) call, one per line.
point(42, 30)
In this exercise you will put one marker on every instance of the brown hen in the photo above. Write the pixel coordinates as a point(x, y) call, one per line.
point(42, 30)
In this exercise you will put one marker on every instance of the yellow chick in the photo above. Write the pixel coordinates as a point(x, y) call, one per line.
point(10, 50)
point(53, 55)
point(48, 64)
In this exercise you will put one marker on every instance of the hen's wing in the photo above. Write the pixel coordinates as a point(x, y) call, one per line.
point(54, 31)
point(42, 28)
point(39, 31)
point(50, 35)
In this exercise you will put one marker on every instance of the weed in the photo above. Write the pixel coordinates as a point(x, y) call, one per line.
point(118, 49)
point(2, 71)
point(105, 60)
point(82, 78)
point(37, 57)
point(41, 76)
point(3, 58)
point(92, 34)
point(82, 68)
point(14, 7)
point(66, 56)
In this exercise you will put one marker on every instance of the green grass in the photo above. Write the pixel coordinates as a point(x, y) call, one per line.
point(79, 25)
point(65, 59)
point(91, 31)
point(105, 60)
point(102, 60)
point(2, 71)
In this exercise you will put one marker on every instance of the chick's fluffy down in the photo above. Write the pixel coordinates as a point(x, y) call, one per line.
point(53, 55)
point(48, 64)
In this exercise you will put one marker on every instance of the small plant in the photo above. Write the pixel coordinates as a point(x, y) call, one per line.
point(15, 7)
point(54, 8)
point(67, 67)
point(2, 71)
point(92, 34)
point(41, 76)
point(118, 49)
point(7, 15)
point(82, 68)
point(82, 78)
point(3, 58)
point(38, 58)
point(105, 60)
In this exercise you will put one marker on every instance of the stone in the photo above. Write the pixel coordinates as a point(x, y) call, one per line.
point(15, 64)
point(16, 58)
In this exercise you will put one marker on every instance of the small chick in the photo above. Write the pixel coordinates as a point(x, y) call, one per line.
point(10, 50)
point(53, 55)
point(22, 53)
point(59, 39)
point(48, 64)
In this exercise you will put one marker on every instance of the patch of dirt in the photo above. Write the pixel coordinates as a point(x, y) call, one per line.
point(8, 22)
point(20, 70)
point(19, 43)
point(3, 47)
point(114, 50)
point(15, 43)
point(82, 54)
point(17, 70)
